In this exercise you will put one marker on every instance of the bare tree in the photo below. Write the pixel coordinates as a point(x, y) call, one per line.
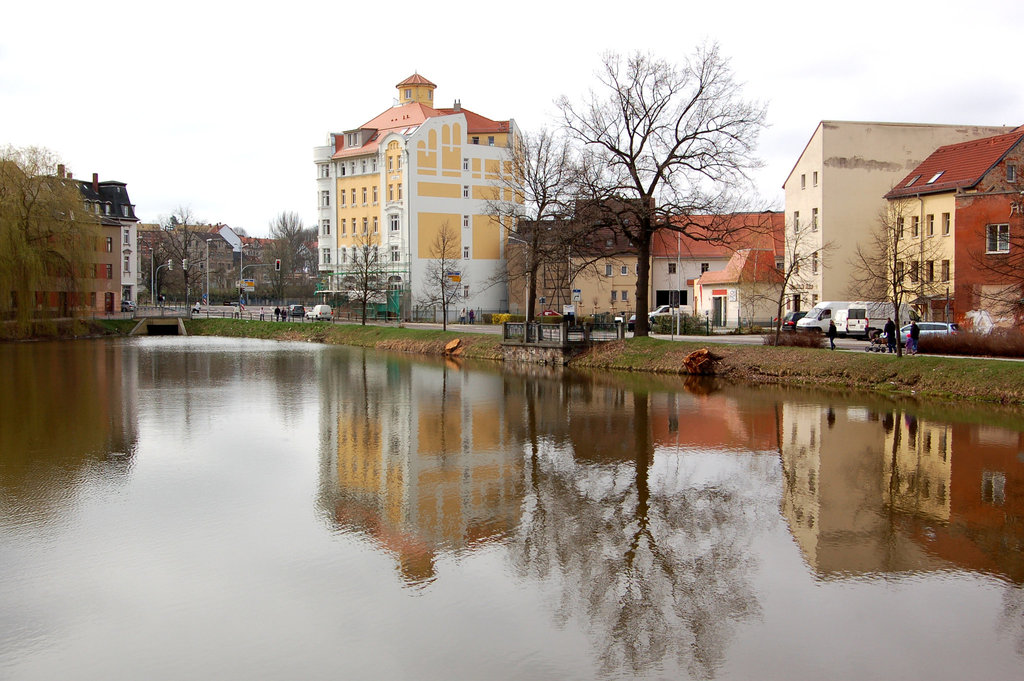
point(184, 242)
point(889, 266)
point(533, 191)
point(443, 279)
point(46, 237)
point(803, 256)
point(365, 274)
point(663, 143)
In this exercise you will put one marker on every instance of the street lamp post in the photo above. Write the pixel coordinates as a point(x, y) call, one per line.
point(152, 277)
point(168, 266)
point(207, 299)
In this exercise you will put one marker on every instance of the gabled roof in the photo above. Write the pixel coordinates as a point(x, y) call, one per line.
point(746, 265)
point(956, 166)
point(746, 230)
point(477, 123)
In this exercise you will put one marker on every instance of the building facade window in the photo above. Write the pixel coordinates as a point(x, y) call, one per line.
point(1011, 172)
point(899, 228)
point(944, 270)
point(704, 267)
point(109, 270)
point(391, 192)
point(393, 219)
point(465, 164)
point(475, 140)
point(341, 198)
point(997, 239)
point(796, 221)
point(490, 140)
point(929, 224)
point(814, 262)
point(465, 252)
point(325, 170)
point(366, 225)
point(803, 181)
point(945, 224)
point(325, 198)
point(913, 271)
point(607, 270)
point(343, 225)
point(914, 226)
point(127, 263)
point(326, 226)
point(815, 176)
point(375, 195)
point(624, 270)
point(465, 191)
point(110, 244)
point(671, 268)
point(929, 271)
point(364, 196)
point(376, 229)
point(395, 254)
point(465, 221)
point(327, 256)
point(615, 295)
point(353, 197)
point(399, 191)
point(814, 219)
point(625, 296)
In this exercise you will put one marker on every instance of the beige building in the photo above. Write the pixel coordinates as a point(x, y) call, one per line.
point(836, 190)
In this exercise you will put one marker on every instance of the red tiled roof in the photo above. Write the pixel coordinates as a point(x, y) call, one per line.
point(412, 115)
point(747, 230)
point(477, 123)
point(415, 79)
point(956, 166)
point(748, 264)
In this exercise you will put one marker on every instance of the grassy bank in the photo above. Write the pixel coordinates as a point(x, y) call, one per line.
point(57, 329)
point(942, 378)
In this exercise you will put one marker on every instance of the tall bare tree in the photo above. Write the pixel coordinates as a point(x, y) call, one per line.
point(533, 191)
point(47, 238)
point(184, 242)
point(889, 265)
point(365, 274)
point(663, 143)
point(443, 278)
point(804, 254)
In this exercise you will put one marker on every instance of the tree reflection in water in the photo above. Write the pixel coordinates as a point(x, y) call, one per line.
point(658, 568)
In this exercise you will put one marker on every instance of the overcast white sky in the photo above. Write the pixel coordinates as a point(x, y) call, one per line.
point(217, 106)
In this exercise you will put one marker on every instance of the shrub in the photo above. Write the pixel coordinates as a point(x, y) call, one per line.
point(998, 343)
point(689, 325)
point(502, 317)
point(796, 340)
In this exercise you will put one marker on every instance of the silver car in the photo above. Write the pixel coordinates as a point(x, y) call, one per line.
point(932, 329)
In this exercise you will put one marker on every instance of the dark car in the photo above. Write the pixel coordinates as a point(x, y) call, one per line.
point(790, 320)
point(296, 311)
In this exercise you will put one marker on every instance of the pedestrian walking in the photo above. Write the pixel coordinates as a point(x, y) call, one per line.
point(914, 336)
point(890, 335)
point(832, 333)
point(462, 316)
point(472, 316)
point(277, 313)
point(261, 314)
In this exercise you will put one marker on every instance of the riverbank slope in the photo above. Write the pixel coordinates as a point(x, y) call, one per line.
point(945, 378)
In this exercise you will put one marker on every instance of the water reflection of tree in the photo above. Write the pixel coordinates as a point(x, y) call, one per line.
point(660, 574)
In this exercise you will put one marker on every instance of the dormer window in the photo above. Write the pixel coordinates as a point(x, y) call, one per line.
point(936, 176)
point(914, 179)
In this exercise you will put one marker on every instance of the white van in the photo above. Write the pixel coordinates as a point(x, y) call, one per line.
point(320, 313)
point(867, 318)
point(818, 317)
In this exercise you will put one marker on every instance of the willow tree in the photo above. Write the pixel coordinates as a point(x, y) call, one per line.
point(663, 144)
point(47, 239)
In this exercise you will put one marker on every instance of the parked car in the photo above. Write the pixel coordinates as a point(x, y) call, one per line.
point(931, 329)
point(127, 306)
point(297, 311)
point(231, 303)
point(790, 320)
point(661, 311)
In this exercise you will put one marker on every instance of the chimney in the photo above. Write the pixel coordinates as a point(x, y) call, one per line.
point(458, 105)
point(60, 171)
point(69, 175)
point(96, 182)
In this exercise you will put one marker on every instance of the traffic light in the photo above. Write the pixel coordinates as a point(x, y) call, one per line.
point(277, 265)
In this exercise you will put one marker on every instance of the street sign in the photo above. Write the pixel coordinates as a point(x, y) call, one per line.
point(577, 295)
point(455, 276)
point(249, 285)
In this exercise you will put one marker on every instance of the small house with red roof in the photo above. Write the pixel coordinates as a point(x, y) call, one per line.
point(745, 293)
point(961, 230)
point(710, 241)
point(392, 185)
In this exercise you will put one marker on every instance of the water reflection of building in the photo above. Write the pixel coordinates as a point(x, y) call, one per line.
point(888, 491)
point(418, 456)
point(52, 423)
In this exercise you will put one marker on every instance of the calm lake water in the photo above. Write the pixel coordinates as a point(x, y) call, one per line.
point(195, 508)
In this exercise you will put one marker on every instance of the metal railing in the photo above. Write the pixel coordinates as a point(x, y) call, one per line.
point(561, 334)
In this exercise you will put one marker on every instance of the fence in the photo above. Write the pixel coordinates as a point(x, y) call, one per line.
point(561, 334)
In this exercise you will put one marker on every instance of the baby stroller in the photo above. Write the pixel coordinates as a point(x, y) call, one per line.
point(877, 344)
